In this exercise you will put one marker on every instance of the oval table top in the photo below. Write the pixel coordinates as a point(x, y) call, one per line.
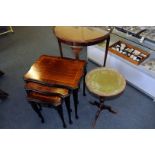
point(80, 35)
point(105, 82)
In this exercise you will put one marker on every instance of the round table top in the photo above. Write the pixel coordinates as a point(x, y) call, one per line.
point(80, 35)
point(105, 82)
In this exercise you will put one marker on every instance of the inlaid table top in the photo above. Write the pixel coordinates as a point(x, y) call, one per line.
point(33, 86)
point(105, 82)
point(51, 70)
point(80, 35)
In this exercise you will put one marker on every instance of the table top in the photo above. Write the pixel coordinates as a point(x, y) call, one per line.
point(80, 35)
point(51, 70)
point(105, 82)
point(62, 92)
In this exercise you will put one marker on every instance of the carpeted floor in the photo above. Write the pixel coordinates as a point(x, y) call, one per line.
point(19, 50)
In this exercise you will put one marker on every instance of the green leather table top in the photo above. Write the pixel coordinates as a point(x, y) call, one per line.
point(105, 82)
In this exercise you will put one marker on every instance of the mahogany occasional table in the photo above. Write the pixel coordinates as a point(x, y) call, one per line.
point(57, 71)
point(104, 83)
point(79, 36)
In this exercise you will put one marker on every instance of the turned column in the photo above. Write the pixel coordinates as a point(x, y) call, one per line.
point(77, 51)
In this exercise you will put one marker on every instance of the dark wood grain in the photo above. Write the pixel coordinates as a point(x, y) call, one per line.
point(52, 70)
point(53, 100)
point(78, 36)
point(37, 100)
point(32, 86)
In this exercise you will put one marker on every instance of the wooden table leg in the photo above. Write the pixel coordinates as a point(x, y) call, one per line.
point(77, 51)
point(60, 112)
point(75, 98)
point(106, 51)
point(67, 102)
point(60, 48)
point(101, 107)
point(84, 84)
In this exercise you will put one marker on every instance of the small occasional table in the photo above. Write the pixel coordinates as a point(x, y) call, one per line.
point(79, 36)
point(57, 71)
point(104, 83)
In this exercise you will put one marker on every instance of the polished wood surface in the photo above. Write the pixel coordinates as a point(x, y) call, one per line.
point(40, 96)
point(46, 89)
point(38, 100)
point(52, 70)
point(37, 97)
point(80, 35)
